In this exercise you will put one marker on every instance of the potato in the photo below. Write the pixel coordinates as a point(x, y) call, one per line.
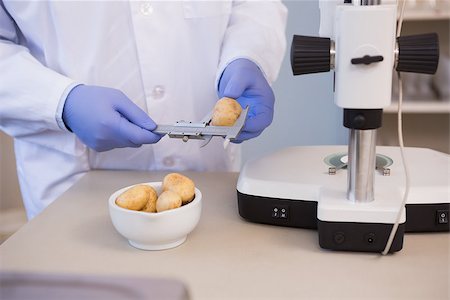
point(168, 200)
point(181, 185)
point(226, 112)
point(135, 198)
point(151, 203)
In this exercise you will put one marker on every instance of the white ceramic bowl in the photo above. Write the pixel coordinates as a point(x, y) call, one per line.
point(155, 231)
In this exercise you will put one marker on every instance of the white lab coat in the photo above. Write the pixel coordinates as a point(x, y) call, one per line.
point(165, 56)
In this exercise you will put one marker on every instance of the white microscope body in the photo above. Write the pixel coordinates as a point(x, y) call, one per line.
point(294, 187)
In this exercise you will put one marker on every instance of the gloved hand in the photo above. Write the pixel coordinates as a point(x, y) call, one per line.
point(244, 81)
point(104, 119)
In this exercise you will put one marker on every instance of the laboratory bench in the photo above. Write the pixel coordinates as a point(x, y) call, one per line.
point(225, 257)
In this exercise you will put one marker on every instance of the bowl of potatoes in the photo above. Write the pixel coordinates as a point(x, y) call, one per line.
point(157, 215)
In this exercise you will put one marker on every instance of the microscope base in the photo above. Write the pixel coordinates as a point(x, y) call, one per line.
point(361, 237)
point(294, 179)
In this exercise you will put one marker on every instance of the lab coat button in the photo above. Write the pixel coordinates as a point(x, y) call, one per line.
point(146, 8)
point(168, 161)
point(158, 92)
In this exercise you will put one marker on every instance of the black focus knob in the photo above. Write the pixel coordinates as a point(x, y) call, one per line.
point(418, 53)
point(310, 54)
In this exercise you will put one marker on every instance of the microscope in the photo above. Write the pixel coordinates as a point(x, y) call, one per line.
point(353, 195)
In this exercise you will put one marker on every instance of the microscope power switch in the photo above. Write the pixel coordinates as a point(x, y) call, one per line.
point(442, 216)
point(280, 212)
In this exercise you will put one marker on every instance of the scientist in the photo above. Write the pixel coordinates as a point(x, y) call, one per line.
point(83, 84)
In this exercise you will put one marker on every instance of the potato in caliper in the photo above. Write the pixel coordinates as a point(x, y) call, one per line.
point(203, 130)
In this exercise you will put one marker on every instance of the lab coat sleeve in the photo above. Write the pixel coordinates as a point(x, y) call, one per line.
point(31, 95)
point(256, 31)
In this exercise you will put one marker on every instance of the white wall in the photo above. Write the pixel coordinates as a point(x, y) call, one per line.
point(305, 113)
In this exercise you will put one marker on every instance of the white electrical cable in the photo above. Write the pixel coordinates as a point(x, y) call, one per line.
point(400, 19)
point(402, 150)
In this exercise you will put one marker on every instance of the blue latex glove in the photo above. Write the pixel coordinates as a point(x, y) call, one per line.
point(244, 81)
point(104, 119)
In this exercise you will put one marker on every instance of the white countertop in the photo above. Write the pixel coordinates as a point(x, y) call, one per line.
point(225, 257)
